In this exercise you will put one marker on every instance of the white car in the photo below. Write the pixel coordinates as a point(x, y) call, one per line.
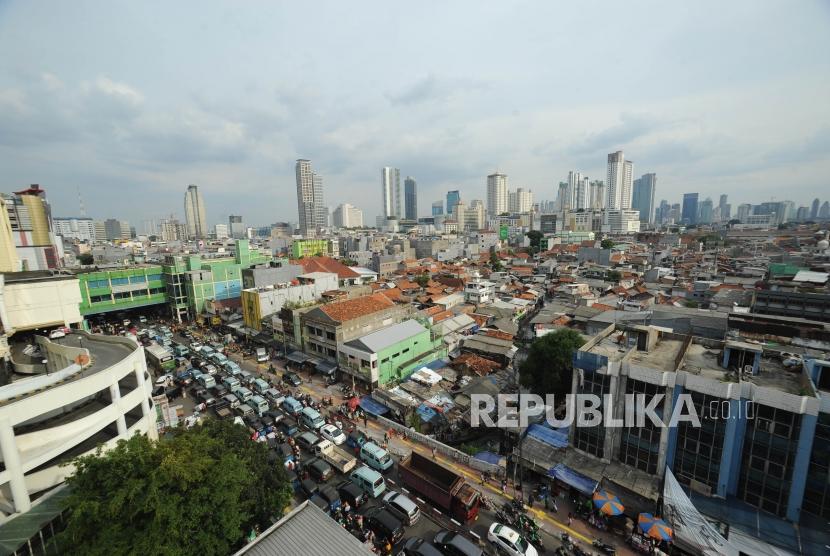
point(508, 541)
point(164, 379)
point(333, 434)
point(57, 333)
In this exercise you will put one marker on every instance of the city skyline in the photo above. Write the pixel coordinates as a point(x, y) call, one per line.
point(702, 127)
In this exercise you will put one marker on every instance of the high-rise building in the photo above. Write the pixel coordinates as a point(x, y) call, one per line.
point(453, 198)
point(496, 194)
point(706, 211)
point(642, 198)
point(194, 212)
point(563, 197)
point(662, 214)
point(236, 228)
point(724, 209)
point(824, 211)
point(690, 209)
point(390, 179)
point(220, 231)
point(620, 175)
point(9, 261)
point(81, 229)
point(815, 208)
point(173, 230)
point(410, 192)
point(744, 210)
point(310, 206)
point(30, 220)
point(802, 214)
point(437, 208)
point(347, 216)
point(520, 200)
point(577, 194)
point(116, 229)
point(596, 196)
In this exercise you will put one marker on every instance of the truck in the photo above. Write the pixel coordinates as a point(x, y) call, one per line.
point(334, 456)
point(443, 487)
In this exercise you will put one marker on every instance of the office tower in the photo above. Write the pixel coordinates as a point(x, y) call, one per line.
point(347, 216)
point(642, 198)
point(30, 221)
point(705, 211)
point(563, 197)
point(390, 179)
point(310, 206)
point(235, 227)
point(81, 229)
point(620, 175)
point(596, 197)
point(173, 230)
point(116, 229)
point(824, 211)
point(576, 195)
point(437, 208)
point(9, 261)
point(725, 209)
point(221, 231)
point(814, 209)
point(803, 214)
point(744, 211)
point(496, 194)
point(194, 213)
point(453, 197)
point(663, 212)
point(410, 192)
point(520, 201)
point(675, 213)
point(690, 209)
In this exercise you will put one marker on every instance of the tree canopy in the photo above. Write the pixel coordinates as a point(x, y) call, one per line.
point(549, 364)
point(607, 243)
point(495, 262)
point(535, 237)
point(422, 280)
point(195, 491)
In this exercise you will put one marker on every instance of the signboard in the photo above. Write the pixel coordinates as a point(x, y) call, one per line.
point(503, 233)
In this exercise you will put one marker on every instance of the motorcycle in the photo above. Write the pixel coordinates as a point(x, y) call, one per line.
point(603, 547)
point(567, 541)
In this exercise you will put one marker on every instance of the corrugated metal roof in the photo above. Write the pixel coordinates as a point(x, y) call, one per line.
point(306, 531)
point(391, 335)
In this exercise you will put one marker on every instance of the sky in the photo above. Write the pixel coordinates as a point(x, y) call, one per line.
point(129, 102)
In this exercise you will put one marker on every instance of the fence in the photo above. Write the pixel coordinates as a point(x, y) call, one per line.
point(443, 449)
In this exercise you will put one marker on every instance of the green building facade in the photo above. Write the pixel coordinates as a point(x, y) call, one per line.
point(309, 247)
point(118, 289)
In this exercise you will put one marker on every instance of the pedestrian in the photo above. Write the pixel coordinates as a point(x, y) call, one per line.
point(570, 519)
point(503, 486)
point(433, 452)
point(386, 437)
point(483, 479)
point(365, 423)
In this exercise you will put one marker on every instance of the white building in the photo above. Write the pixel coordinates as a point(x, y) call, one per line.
point(194, 213)
point(82, 229)
point(520, 200)
point(596, 195)
point(221, 231)
point(576, 196)
point(310, 205)
point(390, 179)
point(258, 303)
point(480, 292)
point(496, 194)
point(621, 222)
point(347, 216)
point(620, 180)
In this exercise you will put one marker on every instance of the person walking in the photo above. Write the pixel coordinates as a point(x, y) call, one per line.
point(433, 452)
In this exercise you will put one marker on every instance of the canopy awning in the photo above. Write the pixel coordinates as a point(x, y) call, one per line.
point(574, 479)
point(371, 405)
point(326, 367)
point(298, 357)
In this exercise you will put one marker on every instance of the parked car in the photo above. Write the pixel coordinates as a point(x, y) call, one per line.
point(351, 493)
point(318, 469)
point(383, 524)
point(333, 434)
point(407, 510)
point(307, 440)
point(416, 546)
point(508, 541)
point(456, 544)
point(292, 378)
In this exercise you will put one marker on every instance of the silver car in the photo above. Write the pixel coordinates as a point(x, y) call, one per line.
point(407, 510)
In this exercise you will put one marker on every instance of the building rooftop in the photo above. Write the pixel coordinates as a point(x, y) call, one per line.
point(36, 276)
point(662, 355)
point(381, 339)
point(343, 311)
point(705, 362)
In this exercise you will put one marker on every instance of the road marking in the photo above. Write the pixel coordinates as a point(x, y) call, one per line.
point(436, 510)
point(390, 481)
point(454, 521)
point(404, 490)
point(419, 500)
point(473, 533)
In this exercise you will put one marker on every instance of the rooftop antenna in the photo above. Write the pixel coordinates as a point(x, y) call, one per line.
point(81, 203)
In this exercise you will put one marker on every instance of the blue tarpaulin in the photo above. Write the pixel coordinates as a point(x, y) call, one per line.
point(574, 479)
point(371, 405)
point(426, 413)
point(489, 457)
point(558, 438)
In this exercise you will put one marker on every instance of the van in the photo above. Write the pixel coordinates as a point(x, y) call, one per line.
point(218, 358)
point(231, 383)
point(206, 351)
point(259, 404)
point(245, 410)
point(207, 381)
point(260, 386)
point(261, 355)
point(311, 418)
point(275, 396)
point(369, 480)
point(292, 406)
point(232, 367)
point(232, 400)
point(243, 394)
point(288, 426)
point(376, 457)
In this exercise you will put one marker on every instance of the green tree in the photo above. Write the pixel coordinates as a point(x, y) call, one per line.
point(535, 237)
point(549, 364)
point(422, 280)
point(495, 262)
point(196, 491)
point(86, 258)
point(613, 276)
point(607, 243)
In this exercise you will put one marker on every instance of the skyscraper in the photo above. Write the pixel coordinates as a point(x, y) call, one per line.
point(689, 215)
point(620, 172)
point(520, 201)
point(437, 208)
point(814, 208)
point(744, 210)
point(642, 198)
point(724, 208)
point(30, 220)
point(824, 211)
point(596, 196)
point(390, 180)
point(706, 210)
point(310, 207)
point(347, 216)
point(496, 194)
point(194, 213)
point(663, 212)
point(410, 191)
point(453, 198)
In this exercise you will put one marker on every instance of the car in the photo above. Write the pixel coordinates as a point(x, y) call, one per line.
point(318, 469)
point(308, 487)
point(332, 434)
point(142, 319)
point(407, 510)
point(351, 493)
point(56, 333)
point(384, 524)
point(416, 546)
point(451, 543)
point(508, 541)
point(164, 379)
point(306, 440)
point(292, 378)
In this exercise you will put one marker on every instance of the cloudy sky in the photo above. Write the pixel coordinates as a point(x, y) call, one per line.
point(131, 101)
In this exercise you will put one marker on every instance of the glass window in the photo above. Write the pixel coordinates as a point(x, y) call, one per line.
point(137, 279)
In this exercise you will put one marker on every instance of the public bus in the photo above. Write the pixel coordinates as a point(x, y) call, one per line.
point(160, 358)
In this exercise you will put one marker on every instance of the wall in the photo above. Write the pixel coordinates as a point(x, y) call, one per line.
point(116, 290)
point(40, 303)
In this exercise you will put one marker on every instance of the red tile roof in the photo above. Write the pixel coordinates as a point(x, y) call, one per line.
point(354, 308)
point(326, 264)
